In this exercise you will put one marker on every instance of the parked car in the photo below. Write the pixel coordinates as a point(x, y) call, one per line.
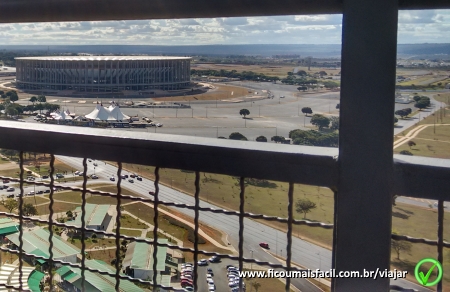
point(95, 164)
point(264, 245)
point(10, 196)
point(202, 262)
point(112, 178)
point(139, 178)
point(94, 176)
point(210, 271)
point(131, 181)
point(151, 193)
point(159, 125)
point(39, 192)
point(10, 189)
point(45, 177)
point(47, 191)
point(132, 175)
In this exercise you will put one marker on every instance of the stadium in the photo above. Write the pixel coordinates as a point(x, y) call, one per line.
point(103, 73)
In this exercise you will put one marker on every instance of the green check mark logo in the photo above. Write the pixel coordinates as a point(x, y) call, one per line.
point(422, 278)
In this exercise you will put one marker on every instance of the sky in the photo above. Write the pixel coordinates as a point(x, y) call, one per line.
point(429, 26)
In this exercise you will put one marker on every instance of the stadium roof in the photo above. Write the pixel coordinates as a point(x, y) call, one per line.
point(9, 275)
point(100, 282)
point(95, 214)
point(37, 242)
point(139, 255)
point(104, 58)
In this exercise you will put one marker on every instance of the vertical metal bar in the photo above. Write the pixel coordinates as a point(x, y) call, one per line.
point(369, 43)
point(197, 205)
point(83, 225)
point(119, 214)
point(241, 227)
point(21, 222)
point(289, 234)
point(50, 220)
point(155, 226)
point(440, 247)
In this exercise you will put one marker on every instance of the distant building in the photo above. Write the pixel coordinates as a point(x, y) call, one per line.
point(71, 280)
point(36, 242)
point(138, 262)
point(96, 216)
point(8, 226)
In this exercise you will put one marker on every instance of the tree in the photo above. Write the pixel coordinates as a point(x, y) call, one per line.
point(421, 104)
point(13, 96)
point(320, 121)
point(406, 152)
point(408, 110)
point(400, 246)
point(244, 112)
point(261, 139)
point(10, 204)
point(411, 143)
point(277, 139)
point(237, 136)
point(334, 123)
point(307, 110)
point(416, 98)
point(303, 88)
point(33, 99)
point(304, 206)
point(11, 111)
point(402, 113)
point(29, 210)
point(322, 73)
point(301, 73)
point(330, 84)
point(41, 98)
point(256, 285)
point(69, 214)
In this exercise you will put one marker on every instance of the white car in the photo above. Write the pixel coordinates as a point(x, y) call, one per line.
point(159, 125)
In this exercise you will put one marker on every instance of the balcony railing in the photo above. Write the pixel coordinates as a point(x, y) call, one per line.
point(292, 164)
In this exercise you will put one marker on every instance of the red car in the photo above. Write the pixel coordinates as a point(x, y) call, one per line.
point(264, 245)
point(151, 193)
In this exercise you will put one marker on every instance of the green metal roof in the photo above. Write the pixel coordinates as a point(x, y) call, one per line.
point(38, 239)
point(39, 252)
point(165, 280)
point(34, 280)
point(100, 282)
point(143, 256)
point(95, 214)
point(8, 226)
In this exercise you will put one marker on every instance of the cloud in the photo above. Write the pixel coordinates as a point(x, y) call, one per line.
point(414, 27)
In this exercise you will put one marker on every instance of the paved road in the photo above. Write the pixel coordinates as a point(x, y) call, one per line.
point(307, 254)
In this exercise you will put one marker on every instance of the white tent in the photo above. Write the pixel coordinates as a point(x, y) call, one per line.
point(100, 114)
point(117, 114)
point(62, 116)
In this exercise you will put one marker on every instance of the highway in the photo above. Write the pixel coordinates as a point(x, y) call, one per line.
point(304, 253)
